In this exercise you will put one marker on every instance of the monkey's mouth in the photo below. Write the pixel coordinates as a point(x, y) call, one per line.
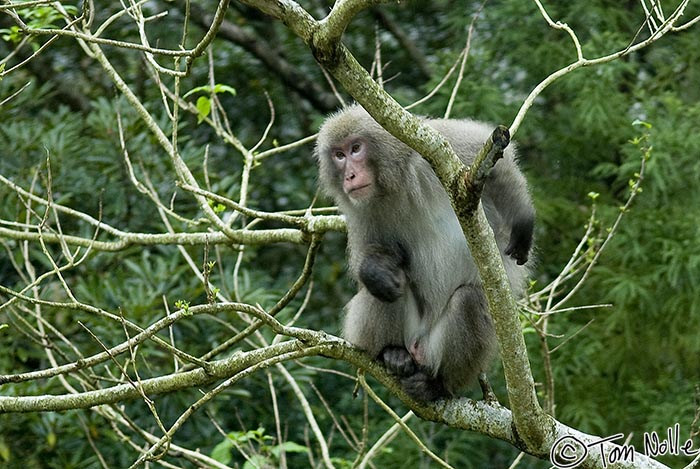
point(359, 191)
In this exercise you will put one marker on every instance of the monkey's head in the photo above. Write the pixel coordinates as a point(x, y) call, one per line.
point(359, 162)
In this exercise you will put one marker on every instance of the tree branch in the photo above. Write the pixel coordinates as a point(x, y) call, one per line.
point(406, 43)
point(581, 61)
point(218, 370)
point(291, 76)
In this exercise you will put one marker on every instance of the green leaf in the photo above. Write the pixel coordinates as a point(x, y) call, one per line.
point(257, 461)
point(196, 90)
point(51, 439)
point(13, 34)
point(4, 451)
point(289, 447)
point(641, 123)
point(222, 451)
point(218, 88)
point(203, 108)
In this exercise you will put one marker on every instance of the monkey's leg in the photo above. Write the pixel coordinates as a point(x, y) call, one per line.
point(407, 361)
point(378, 328)
point(396, 356)
point(462, 343)
point(371, 324)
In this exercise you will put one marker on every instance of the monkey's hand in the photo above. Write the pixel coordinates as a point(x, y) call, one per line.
point(520, 240)
point(382, 272)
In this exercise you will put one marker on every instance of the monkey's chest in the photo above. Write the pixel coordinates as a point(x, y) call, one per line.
point(439, 260)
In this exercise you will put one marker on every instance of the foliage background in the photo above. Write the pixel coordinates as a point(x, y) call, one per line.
point(635, 368)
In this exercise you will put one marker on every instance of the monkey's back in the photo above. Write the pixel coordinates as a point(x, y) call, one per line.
point(467, 137)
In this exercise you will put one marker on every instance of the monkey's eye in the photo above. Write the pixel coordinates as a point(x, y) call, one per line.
point(356, 148)
point(339, 155)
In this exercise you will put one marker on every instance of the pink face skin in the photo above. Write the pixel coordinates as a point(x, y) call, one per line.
point(350, 157)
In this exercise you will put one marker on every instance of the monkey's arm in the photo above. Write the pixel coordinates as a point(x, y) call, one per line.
point(507, 189)
point(521, 234)
point(382, 271)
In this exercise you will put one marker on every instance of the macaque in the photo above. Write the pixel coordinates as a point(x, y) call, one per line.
point(420, 308)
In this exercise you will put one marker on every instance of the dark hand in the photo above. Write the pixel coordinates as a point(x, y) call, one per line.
point(382, 271)
point(521, 241)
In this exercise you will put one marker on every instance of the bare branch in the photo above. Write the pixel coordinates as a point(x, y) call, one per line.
point(401, 423)
point(663, 29)
point(289, 74)
point(404, 41)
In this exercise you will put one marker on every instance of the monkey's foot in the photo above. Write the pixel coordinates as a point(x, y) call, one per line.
point(398, 360)
point(417, 383)
point(423, 387)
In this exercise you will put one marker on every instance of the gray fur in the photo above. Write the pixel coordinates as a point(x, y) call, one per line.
point(442, 304)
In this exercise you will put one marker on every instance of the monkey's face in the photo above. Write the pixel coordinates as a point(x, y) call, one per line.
point(350, 158)
point(358, 160)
